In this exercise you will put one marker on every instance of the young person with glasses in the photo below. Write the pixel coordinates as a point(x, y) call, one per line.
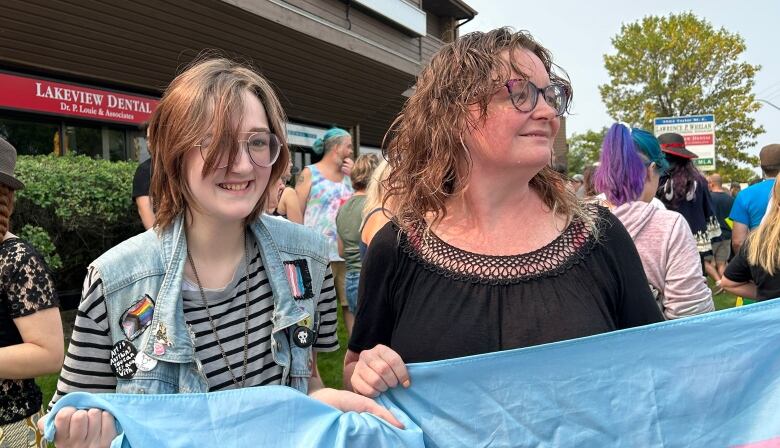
point(216, 296)
point(490, 250)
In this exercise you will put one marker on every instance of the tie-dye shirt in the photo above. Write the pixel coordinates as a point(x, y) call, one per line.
point(325, 199)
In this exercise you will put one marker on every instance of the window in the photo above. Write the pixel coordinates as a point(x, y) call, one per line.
point(139, 146)
point(32, 135)
point(96, 142)
point(31, 138)
point(83, 140)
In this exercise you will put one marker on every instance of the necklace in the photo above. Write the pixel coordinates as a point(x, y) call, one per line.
point(246, 317)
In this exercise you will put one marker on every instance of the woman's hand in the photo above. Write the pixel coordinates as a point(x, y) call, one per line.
point(93, 428)
point(377, 370)
point(349, 401)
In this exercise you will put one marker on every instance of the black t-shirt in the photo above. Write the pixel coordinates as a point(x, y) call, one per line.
point(416, 297)
point(721, 205)
point(739, 270)
point(142, 179)
point(26, 286)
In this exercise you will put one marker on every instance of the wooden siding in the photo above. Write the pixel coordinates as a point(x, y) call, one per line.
point(352, 18)
point(140, 46)
point(430, 45)
point(433, 24)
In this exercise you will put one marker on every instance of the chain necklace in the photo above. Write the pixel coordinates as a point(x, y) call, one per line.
point(246, 317)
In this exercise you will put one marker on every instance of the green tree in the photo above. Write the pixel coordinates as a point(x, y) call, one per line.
point(681, 65)
point(584, 149)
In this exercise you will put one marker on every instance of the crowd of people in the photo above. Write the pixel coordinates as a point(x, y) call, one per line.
point(463, 240)
point(723, 218)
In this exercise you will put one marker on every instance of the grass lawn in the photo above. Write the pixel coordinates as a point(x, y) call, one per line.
point(723, 300)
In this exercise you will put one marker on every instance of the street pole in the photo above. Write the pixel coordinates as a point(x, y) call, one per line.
point(767, 102)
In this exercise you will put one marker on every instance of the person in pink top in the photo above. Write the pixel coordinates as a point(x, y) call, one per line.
point(630, 167)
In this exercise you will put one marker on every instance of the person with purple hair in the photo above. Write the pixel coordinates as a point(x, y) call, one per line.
point(630, 168)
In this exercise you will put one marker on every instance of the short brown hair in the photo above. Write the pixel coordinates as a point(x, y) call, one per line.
point(198, 101)
point(428, 157)
point(770, 159)
point(361, 172)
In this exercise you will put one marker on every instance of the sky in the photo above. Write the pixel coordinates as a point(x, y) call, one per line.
point(579, 33)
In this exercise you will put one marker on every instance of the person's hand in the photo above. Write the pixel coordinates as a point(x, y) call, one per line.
point(377, 370)
point(93, 428)
point(346, 166)
point(349, 401)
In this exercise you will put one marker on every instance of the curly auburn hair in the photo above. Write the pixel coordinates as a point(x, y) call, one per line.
point(424, 145)
point(200, 100)
point(6, 208)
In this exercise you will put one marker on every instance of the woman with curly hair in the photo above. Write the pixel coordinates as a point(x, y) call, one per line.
point(489, 250)
point(30, 326)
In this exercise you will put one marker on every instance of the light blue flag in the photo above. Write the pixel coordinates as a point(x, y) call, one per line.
point(705, 381)
point(272, 416)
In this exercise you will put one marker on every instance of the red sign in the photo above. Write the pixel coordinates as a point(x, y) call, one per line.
point(41, 95)
point(698, 139)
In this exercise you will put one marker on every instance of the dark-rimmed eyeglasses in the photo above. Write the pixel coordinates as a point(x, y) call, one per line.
point(263, 148)
point(524, 95)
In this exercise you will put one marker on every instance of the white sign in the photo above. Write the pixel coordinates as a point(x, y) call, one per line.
point(371, 150)
point(698, 132)
point(402, 12)
point(302, 135)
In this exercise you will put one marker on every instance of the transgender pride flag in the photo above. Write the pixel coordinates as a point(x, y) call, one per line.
point(705, 381)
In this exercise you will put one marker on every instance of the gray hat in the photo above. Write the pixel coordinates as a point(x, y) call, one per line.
point(7, 164)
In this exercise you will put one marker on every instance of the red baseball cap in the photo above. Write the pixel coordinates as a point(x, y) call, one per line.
point(674, 144)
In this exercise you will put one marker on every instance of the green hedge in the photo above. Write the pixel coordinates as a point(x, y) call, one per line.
point(73, 209)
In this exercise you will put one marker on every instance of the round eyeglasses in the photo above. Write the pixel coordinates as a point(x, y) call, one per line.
point(263, 148)
point(524, 95)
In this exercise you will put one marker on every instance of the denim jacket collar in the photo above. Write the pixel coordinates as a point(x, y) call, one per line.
point(286, 312)
point(168, 323)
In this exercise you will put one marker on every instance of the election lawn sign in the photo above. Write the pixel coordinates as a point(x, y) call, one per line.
point(698, 132)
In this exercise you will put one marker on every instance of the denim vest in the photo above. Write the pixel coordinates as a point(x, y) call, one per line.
point(153, 264)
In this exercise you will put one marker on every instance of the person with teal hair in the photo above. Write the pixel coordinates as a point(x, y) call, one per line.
point(322, 189)
point(630, 168)
point(328, 140)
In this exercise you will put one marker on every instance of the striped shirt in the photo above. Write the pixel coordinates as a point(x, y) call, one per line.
point(87, 368)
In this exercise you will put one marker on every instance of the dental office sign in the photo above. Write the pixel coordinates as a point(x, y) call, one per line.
point(41, 95)
point(699, 134)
